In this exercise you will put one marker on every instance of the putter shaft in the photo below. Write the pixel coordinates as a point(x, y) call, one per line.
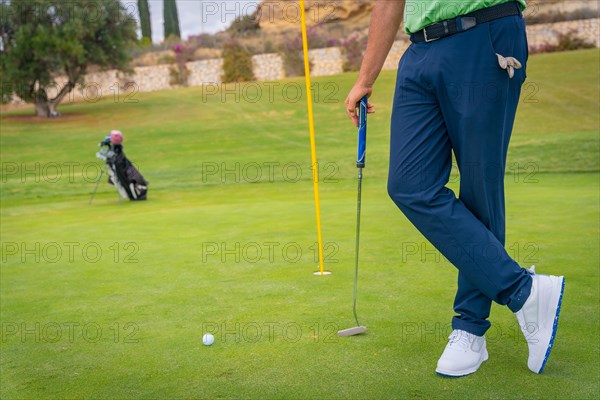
point(357, 247)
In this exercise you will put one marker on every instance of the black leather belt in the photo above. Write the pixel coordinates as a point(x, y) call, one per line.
point(451, 26)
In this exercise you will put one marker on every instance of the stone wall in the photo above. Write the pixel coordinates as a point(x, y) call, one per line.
point(540, 35)
point(207, 71)
point(268, 67)
point(329, 61)
point(393, 58)
point(115, 83)
point(153, 78)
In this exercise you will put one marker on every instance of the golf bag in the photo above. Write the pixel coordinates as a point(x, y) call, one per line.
point(122, 174)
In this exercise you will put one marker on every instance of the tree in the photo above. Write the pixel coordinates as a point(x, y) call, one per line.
point(43, 39)
point(6, 90)
point(167, 20)
point(175, 17)
point(145, 24)
point(171, 19)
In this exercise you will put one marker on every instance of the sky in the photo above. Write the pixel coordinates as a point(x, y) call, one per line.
point(195, 16)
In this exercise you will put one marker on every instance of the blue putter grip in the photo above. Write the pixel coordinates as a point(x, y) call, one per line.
point(362, 132)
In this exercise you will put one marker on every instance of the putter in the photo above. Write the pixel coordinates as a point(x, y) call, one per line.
point(360, 164)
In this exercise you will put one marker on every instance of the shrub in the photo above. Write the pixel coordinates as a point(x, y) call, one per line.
point(171, 40)
point(195, 42)
point(319, 38)
point(237, 63)
point(582, 13)
point(566, 42)
point(570, 41)
point(292, 52)
point(145, 42)
point(269, 47)
point(179, 71)
point(293, 58)
point(353, 48)
point(206, 40)
point(244, 25)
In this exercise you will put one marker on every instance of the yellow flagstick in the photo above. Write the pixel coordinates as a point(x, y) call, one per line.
point(311, 127)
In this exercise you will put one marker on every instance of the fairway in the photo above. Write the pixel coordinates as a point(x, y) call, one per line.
point(111, 301)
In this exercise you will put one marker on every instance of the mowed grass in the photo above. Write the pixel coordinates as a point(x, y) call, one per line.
point(111, 301)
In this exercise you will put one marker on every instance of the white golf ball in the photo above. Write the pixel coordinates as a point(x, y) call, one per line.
point(208, 339)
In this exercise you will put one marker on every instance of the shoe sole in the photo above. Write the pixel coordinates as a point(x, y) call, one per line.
point(554, 326)
point(464, 372)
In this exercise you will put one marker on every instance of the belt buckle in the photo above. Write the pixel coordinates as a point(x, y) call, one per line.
point(427, 40)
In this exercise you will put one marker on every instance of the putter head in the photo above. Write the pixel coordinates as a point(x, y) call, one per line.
point(355, 330)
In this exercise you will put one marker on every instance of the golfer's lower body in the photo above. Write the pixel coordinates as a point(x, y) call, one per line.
point(452, 95)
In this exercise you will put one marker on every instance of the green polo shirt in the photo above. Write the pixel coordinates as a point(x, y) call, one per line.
point(420, 13)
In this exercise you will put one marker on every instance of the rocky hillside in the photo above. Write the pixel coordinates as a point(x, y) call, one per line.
point(280, 15)
point(277, 15)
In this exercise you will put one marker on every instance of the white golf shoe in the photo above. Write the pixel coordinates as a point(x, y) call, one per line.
point(539, 318)
point(463, 355)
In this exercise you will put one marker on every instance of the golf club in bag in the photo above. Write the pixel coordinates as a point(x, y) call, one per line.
point(360, 164)
point(122, 174)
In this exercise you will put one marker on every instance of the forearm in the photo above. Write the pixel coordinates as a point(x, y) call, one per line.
point(385, 22)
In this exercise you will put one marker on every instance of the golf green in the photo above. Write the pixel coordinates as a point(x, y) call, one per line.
point(111, 301)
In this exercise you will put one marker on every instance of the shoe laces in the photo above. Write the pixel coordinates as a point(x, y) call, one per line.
point(461, 340)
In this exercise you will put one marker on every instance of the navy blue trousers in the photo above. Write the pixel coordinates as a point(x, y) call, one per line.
point(453, 97)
